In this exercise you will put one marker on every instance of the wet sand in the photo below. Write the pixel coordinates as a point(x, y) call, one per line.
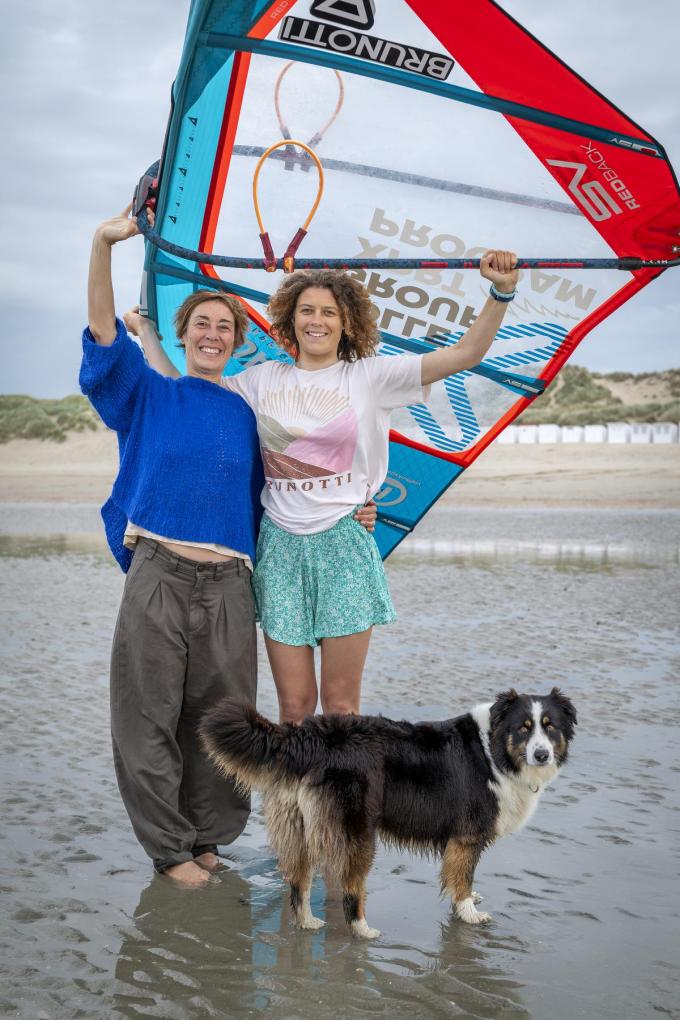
point(584, 900)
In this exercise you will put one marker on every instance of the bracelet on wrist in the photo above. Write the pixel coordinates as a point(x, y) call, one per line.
point(499, 295)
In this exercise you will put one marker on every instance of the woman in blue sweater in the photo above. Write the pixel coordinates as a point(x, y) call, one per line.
point(182, 522)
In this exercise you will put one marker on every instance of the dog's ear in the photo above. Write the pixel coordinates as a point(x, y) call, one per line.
point(502, 706)
point(565, 704)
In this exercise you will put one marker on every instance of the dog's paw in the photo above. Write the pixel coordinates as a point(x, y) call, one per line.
point(362, 931)
point(476, 897)
point(310, 923)
point(466, 912)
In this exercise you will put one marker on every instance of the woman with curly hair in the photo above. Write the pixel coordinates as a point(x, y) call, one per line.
point(323, 425)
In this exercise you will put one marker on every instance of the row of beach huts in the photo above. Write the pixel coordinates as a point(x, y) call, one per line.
point(614, 432)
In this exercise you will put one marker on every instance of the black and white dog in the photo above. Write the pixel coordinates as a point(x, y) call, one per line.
point(333, 785)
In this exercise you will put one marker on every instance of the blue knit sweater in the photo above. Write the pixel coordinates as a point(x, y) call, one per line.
point(189, 457)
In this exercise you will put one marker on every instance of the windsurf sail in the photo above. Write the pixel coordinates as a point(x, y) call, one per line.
point(443, 128)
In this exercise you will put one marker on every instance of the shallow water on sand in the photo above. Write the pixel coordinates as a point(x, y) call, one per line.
point(584, 900)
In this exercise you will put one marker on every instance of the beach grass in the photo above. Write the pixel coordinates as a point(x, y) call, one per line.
point(580, 397)
point(24, 417)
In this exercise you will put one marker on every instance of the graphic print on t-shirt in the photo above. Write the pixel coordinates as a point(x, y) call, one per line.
point(306, 433)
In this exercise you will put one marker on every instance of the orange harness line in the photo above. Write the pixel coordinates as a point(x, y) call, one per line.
point(318, 135)
point(270, 260)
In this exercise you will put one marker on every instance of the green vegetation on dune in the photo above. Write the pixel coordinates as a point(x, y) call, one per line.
point(669, 379)
point(580, 397)
point(600, 413)
point(23, 417)
point(579, 388)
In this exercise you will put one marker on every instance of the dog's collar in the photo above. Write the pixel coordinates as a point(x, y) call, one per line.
point(532, 787)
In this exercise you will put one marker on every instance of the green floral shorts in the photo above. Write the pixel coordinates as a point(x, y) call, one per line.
point(309, 587)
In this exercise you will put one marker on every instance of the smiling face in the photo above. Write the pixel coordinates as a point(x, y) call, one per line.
point(209, 339)
point(318, 327)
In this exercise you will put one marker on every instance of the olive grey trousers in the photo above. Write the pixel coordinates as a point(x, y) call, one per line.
point(185, 638)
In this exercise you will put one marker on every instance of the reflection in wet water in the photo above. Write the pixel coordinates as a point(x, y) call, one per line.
point(584, 921)
point(589, 554)
point(232, 950)
point(41, 546)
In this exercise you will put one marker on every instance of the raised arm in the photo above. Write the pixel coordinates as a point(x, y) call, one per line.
point(498, 267)
point(150, 339)
point(101, 313)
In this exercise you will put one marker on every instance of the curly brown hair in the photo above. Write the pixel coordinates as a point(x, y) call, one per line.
point(360, 335)
point(183, 313)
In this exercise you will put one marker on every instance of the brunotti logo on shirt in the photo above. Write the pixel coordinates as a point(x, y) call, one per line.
point(349, 42)
point(288, 485)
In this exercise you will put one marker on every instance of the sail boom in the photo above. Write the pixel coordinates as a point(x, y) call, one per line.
point(624, 263)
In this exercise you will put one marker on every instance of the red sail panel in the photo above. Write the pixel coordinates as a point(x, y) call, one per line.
point(629, 197)
point(507, 61)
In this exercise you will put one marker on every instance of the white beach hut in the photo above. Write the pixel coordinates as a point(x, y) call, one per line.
point(549, 434)
point(572, 433)
point(527, 433)
point(664, 432)
point(640, 433)
point(595, 434)
point(618, 432)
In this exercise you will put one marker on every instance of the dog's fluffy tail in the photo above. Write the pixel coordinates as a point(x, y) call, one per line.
point(252, 750)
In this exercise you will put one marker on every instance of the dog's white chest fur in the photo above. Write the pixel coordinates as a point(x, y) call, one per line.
point(518, 796)
point(516, 804)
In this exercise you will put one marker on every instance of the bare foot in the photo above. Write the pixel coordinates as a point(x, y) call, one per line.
point(188, 874)
point(209, 862)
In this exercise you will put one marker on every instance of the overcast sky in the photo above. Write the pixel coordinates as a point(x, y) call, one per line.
point(86, 89)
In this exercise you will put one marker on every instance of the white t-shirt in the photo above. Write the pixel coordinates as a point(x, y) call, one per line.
point(324, 434)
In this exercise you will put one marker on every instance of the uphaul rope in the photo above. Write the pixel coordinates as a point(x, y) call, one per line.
point(270, 261)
